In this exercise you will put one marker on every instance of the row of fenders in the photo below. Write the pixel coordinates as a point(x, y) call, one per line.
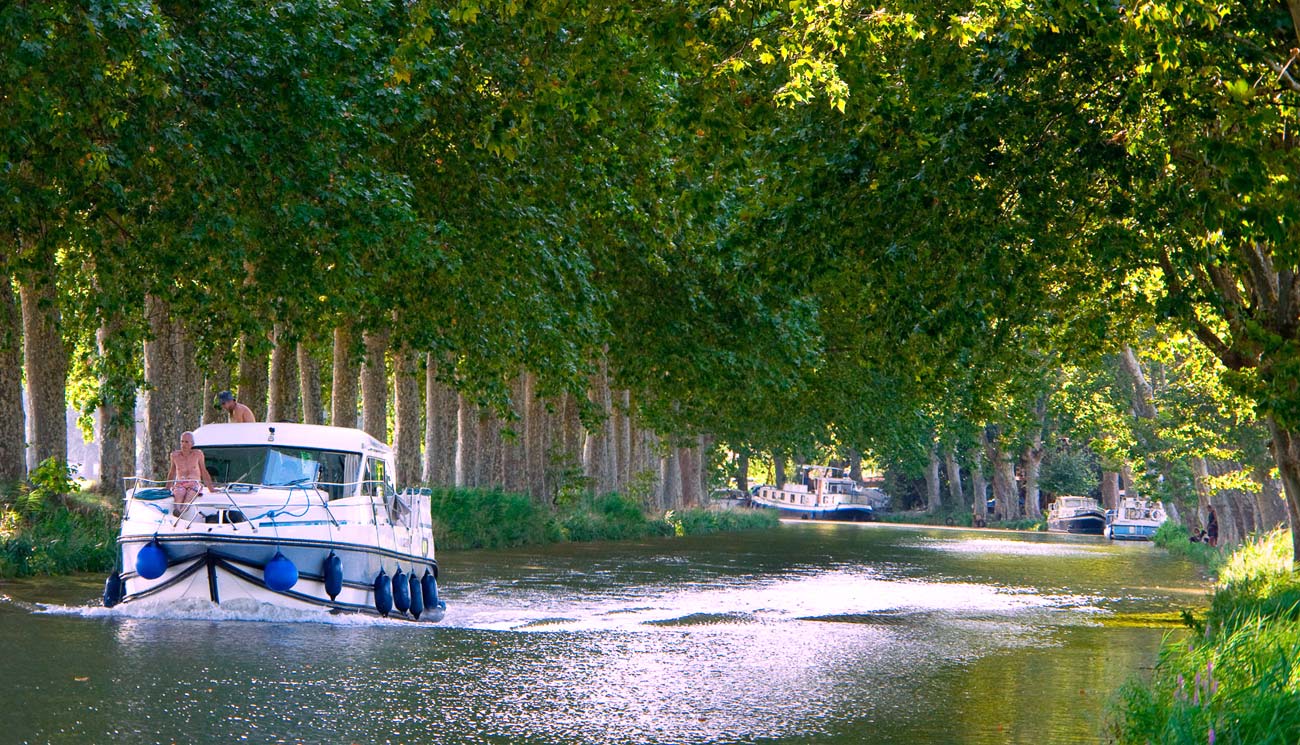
point(403, 592)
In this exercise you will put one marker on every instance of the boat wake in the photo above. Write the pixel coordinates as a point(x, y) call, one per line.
point(238, 609)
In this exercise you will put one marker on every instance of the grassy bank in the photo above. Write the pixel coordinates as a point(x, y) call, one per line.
point(50, 527)
point(490, 518)
point(1236, 677)
point(1175, 539)
point(959, 518)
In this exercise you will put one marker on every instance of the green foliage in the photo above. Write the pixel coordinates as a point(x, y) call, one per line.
point(1237, 678)
point(46, 535)
point(1070, 471)
point(490, 518)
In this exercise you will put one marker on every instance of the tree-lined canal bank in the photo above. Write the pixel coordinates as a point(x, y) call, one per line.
point(809, 633)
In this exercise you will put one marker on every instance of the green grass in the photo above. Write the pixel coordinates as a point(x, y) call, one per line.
point(1236, 677)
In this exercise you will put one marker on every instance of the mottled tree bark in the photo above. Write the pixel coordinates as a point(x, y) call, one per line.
point(13, 424)
point(1032, 464)
point(978, 486)
point(283, 399)
point(466, 441)
point(572, 440)
point(1110, 490)
point(114, 418)
point(1286, 451)
point(954, 477)
point(536, 432)
point(439, 428)
point(623, 439)
point(309, 385)
point(1272, 502)
point(168, 360)
point(374, 386)
point(1007, 505)
point(689, 460)
point(933, 498)
point(1130, 483)
point(45, 358)
point(670, 478)
point(253, 376)
point(514, 448)
point(778, 468)
point(855, 466)
point(406, 426)
point(343, 379)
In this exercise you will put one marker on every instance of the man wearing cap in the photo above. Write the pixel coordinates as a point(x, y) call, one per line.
point(239, 413)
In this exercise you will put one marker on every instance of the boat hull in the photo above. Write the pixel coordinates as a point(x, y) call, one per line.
point(1086, 524)
point(1131, 532)
point(846, 513)
point(221, 568)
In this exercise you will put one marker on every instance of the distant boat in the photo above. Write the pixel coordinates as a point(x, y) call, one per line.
point(1136, 519)
point(303, 517)
point(1076, 515)
point(822, 493)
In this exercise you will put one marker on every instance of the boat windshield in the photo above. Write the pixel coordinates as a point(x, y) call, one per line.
point(274, 465)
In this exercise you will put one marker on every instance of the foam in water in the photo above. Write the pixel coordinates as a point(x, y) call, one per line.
point(237, 609)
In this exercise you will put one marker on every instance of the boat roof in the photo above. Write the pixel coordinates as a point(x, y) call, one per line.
point(289, 433)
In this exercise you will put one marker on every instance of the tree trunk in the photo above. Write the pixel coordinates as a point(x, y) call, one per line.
point(374, 386)
point(623, 440)
point(1143, 405)
point(406, 426)
point(283, 403)
point(514, 466)
point(1272, 502)
point(954, 478)
point(855, 469)
point(346, 373)
point(1110, 490)
point(778, 469)
point(215, 380)
point(1286, 451)
point(742, 470)
point(933, 498)
point(1007, 504)
point(671, 480)
point(689, 461)
point(115, 417)
point(466, 441)
point(979, 489)
point(1032, 465)
point(309, 385)
point(46, 363)
point(1130, 483)
point(439, 428)
point(535, 432)
point(13, 423)
point(168, 358)
point(253, 376)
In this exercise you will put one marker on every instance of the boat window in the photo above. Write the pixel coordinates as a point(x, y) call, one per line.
point(283, 466)
point(376, 481)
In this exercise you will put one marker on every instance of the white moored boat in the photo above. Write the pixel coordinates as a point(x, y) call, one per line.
point(1076, 515)
point(302, 517)
point(1136, 519)
point(823, 494)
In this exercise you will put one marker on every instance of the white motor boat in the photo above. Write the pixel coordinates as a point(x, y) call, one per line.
point(1076, 515)
point(1136, 519)
point(822, 493)
point(302, 517)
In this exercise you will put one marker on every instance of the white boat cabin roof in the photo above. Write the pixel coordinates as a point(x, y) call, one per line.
point(316, 436)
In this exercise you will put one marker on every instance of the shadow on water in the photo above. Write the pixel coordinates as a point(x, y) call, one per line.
point(810, 633)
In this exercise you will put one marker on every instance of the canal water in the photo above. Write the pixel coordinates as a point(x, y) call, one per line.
point(811, 633)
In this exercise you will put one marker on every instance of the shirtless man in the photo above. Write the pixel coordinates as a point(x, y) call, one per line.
point(239, 413)
point(188, 473)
